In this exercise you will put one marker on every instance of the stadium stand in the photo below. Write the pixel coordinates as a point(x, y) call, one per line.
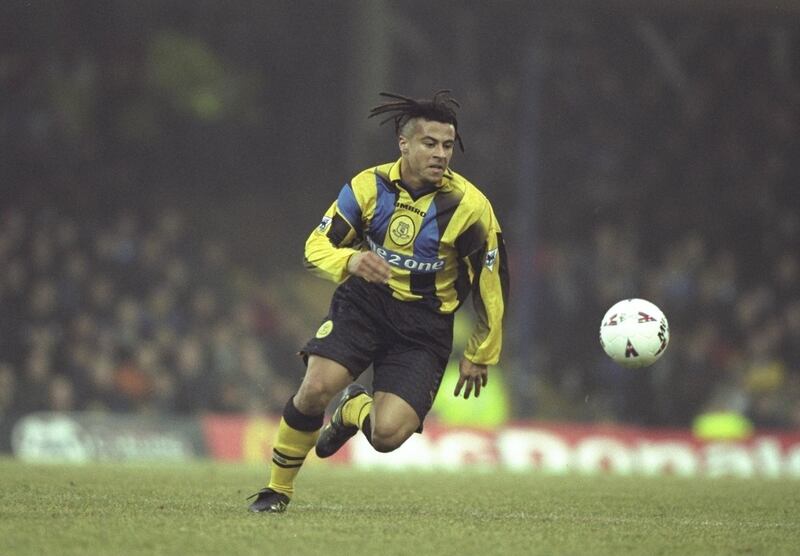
point(667, 169)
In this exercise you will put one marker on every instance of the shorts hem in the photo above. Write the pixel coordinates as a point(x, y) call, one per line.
point(306, 352)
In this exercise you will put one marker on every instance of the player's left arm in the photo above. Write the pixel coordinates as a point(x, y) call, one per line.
point(490, 287)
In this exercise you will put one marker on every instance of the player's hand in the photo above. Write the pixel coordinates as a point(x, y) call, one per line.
point(370, 267)
point(472, 376)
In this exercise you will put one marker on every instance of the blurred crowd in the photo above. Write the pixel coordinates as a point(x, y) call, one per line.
point(665, 151)
point(678, 144)
point(126, 312)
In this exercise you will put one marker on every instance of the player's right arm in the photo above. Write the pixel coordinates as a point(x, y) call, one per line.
point(370, 267)
point(332, 250)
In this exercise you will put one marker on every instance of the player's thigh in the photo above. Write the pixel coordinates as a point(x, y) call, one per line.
point(393, 420)
point(324, 378)
point(412, 375)
point(350, 334)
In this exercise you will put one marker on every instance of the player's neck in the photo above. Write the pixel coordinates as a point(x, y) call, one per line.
point(414, 183)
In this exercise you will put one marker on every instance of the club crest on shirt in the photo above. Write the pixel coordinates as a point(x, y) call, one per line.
point(402, 230)
point(325, 329)
point(491, 258)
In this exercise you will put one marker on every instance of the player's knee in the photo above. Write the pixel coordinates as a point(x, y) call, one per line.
point(388, 438)
point(313, 396)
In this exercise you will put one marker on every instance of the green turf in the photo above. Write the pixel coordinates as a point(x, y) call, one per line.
point(200, 509)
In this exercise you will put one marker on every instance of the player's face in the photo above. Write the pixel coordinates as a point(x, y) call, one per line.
point(426, 151)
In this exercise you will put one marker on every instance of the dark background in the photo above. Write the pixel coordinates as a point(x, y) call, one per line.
point(183, 151)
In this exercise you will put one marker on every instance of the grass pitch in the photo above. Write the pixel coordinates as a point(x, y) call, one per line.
point(200, 509)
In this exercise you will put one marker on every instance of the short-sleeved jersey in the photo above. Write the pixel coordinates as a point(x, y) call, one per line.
point(442, 243)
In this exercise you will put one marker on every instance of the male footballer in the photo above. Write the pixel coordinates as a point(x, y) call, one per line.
point(407, 242)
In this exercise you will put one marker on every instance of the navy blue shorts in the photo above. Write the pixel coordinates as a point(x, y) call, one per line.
point(407, 343)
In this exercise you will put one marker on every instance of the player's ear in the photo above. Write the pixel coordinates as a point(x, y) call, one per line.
point(403, 144)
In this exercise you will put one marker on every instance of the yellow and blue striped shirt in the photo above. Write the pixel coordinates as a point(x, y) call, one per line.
point(441, 243)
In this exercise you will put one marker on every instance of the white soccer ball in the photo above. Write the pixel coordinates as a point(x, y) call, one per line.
point(634, 333)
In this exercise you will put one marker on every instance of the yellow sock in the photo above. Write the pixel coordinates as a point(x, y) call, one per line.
point(288, 453)
point(356, 410)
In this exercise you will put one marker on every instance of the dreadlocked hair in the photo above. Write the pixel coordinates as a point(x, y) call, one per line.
point(401, 109)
